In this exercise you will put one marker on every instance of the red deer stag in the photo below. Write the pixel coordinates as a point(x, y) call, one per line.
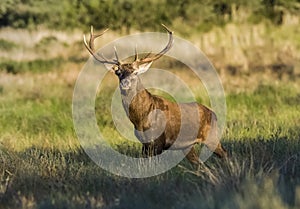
point(148, 112)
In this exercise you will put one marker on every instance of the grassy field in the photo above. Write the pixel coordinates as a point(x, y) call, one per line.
point(43, 166)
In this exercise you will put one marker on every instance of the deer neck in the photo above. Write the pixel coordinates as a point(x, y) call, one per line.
point(136, 101)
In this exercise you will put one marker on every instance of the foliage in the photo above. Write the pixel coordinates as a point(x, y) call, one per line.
point(7, 45)
point(38, 65)
point(141, 15)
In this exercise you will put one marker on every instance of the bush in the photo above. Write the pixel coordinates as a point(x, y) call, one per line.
point(7, 45)
point(36, 66)
point(141, 15)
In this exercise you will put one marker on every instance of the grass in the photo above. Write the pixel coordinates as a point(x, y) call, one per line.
point(37, 66)
point(42, 178)
point(7, 45)
point(279, 104)
point(43, 166)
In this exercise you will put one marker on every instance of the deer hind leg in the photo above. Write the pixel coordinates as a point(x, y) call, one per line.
point(192, 156)
point(201, 167)
point(212, 140)
point(216, 147)
point(220, 151)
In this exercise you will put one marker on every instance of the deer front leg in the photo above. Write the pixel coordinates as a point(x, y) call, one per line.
point(152, 148)
point(142, 138)
point(145, 150)
point(146, 145)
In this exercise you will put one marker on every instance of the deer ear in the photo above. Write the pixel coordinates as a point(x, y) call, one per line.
point(142, 68)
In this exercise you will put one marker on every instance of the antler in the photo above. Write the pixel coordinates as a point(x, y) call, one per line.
point(169, 45)
point(90, 47)
point(100, 58)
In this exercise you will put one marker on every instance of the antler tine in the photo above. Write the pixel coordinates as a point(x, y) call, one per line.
point(116, 54)
point(169, 31)
point(90, 47)
point(136, 56)
point(163, 51)
point(147, 55)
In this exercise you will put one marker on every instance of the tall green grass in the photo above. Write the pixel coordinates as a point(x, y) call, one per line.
point(43, 166)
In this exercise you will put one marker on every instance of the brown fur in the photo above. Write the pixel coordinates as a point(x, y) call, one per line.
point(144, 102)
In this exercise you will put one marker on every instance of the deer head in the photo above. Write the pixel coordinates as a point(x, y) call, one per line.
point(127, 71)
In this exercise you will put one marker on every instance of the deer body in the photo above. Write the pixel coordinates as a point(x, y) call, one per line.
point(159, 123)
point(139, 104)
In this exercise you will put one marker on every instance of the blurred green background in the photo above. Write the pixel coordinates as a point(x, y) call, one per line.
point(201, 15)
